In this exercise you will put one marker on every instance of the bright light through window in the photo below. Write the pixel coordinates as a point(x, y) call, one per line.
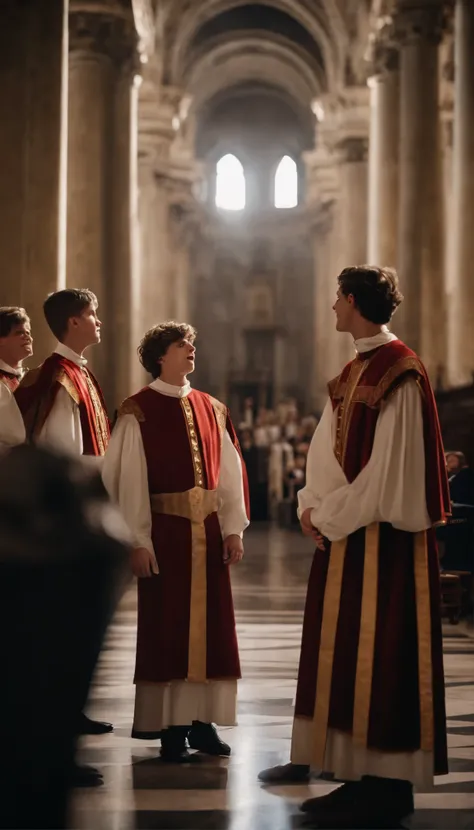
point(286, 184)
point(230, 183)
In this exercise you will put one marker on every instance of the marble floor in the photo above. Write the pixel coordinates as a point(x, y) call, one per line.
point(269, 591)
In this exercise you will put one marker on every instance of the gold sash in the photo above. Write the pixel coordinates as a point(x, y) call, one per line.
point(195, 505)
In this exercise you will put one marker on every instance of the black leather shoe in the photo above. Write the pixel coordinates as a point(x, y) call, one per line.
point(173, 745)
point(344, 795)
point(204, 738)
point(85, 776)
point(285, 774)
point(146, 736)
point(93, 727)
point(370, 804)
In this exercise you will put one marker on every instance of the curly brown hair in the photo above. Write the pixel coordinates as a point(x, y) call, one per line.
point(375, 291)
point(157, 340)
point(11, 316)
point(60, 306)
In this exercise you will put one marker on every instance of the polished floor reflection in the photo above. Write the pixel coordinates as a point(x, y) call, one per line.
point(269, 591)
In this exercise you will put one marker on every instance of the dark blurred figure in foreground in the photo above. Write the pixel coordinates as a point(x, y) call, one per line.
point(62, 568)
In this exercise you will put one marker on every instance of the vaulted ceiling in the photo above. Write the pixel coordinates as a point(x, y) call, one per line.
point(291, 50)
point(298, 46)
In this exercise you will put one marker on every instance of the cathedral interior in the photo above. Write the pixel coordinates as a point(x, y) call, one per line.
point(220, 162)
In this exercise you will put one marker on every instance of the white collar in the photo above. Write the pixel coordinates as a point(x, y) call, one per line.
point(11, 371)
point(69, 354)
point(172, 391)
point(366, 344)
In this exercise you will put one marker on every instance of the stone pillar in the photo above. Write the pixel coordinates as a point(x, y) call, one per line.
point(326, 358)
point(420, 227)
point(154, 246)
point(463, 192)
point(351, 219)
point(33, 85)
point(123, 291)
point(180, 239)
point(101, 119)
point(384, 88)
point(322, 197)
point(447, 118)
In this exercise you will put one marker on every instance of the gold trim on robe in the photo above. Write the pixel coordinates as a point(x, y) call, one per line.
point(425, 665)
point(331, 605)
point(368, 624)
point(220, 411)
point(197, 655)
point(100, 417)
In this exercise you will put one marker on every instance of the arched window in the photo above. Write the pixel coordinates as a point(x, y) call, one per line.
point(286, 184)
point(230, 183)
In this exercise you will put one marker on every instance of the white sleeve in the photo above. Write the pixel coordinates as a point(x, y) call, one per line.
point(12, 428)
point(62, 429)
point(391, 487)
point(323, 472)
point(230, 491)
point(125, 478)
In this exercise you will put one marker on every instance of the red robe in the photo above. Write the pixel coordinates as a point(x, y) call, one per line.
point(9, 379)
point(186, 625)
point(372, 643)
point(37, 393)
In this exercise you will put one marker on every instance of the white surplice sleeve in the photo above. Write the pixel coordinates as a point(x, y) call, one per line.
point(230, 491)
point(391, 487)
point(323, 472)
point(62, 429)
point(125, 477)
point(12, 428)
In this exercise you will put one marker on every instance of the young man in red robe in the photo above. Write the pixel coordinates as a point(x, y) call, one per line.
point(370, 697)
point(175, 469)
point(16, 344)
point(62, 407)
point(61, 400)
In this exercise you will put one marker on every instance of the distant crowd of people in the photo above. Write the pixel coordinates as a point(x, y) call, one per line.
point(275, 444)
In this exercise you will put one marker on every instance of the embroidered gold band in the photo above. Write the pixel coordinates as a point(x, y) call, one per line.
point(423, 615)
point(331, 605)
point(195, 504)
point(368, 624)
point(193, 442)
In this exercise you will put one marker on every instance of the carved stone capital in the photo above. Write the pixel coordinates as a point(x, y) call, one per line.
point(104, 30)
point(354, 149)
point(416, 21)
point(383, 54)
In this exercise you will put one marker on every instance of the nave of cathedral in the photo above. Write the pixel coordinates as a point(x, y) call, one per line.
point(269, 589)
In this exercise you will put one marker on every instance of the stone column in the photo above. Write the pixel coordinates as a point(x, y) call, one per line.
point(323, 197)
point(154, 245)
point(180, 239)
point(420, 227)
point(33, 85)
point(383, 156)
point(463, 192)
point(447, 118)
point(100, 192)
point(123, 290)
point(326, 357)
point(351, 219)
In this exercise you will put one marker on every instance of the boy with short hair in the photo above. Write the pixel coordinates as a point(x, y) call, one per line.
point(16, 344)
point(62, 407)
point(61, 401)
